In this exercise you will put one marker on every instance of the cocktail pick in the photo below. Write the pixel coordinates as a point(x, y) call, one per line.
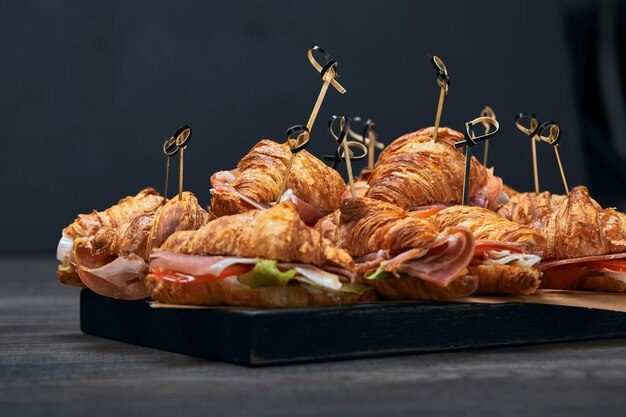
point(182, 136)
point(369, 138)
point(298, 138)
point(343, 151)
point(487, 112)
point(443, 81)
point(328, 72)
point(169, 149)
point(553, 137)
point(472, 140)
point(531, 132)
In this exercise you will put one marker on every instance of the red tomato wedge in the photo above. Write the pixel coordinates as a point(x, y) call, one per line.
point(483, 246)
point(612, 264)
point(179, 277)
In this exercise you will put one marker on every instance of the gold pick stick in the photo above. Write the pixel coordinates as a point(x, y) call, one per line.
point(371, 146)
point(182, 138)
point(531, 133)
point(558, 160)
point(553, 139)
point(487, 112)
point(471, 141)
point(169, 149)
point(296, 145)
point(344, 152)
point(443, 81)
point(328, 72)
point(369, 138)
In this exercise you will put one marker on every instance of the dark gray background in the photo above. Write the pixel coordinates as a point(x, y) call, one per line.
point(91, 89)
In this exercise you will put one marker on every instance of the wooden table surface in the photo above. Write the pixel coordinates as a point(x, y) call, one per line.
point(48, 367)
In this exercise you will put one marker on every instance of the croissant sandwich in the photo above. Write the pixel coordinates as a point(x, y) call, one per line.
point(400, 254)
point(147, 201)
point(255, 183)
point(586, 244)
point(414, 171)
point(113, 261)
point(507, 255)
point(260, 258)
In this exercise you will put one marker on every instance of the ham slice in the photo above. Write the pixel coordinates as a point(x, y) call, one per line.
point(110, 276)
point(198, 265)
point(222, 178)
point(222, 181)
point(195, 265)
point(308, 213)
point(441, 263)
point(489, 194)
point(585, 259)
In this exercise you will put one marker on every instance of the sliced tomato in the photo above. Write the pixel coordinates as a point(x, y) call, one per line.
point(179, 277)
point(483, 246)
point(612, 264)
point(559, 277)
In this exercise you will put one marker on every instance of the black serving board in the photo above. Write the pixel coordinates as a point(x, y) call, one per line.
point(256, 337)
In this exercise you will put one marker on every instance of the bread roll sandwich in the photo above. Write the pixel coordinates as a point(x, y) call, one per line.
point(113, 261)
point(400, 254)
point(255, 183)
point(585, 244)
point(507, 255)
point(415, 171)
point(260, 258)
point(146, 202)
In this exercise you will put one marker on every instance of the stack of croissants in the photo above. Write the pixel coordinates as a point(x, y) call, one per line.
point(404, 236)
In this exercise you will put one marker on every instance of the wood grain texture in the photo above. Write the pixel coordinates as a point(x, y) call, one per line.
point(48, 367)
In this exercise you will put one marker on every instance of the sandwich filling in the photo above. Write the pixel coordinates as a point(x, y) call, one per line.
point(490, 252)
point(440, 264)
point(251, 272)
point(561, 273)
point(222, 183)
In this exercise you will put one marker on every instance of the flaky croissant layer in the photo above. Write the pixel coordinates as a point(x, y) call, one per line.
point(574, 226)
point(260, 173)
point(414, 171)
point(275, 233)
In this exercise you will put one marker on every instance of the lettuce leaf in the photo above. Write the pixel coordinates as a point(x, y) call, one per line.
point(379, 274)
point(266, 273)
point(355, 289)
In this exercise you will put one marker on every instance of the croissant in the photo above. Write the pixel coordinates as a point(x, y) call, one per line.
point(586, 244)
point(501, 248)
point(147, 201)
point(113, 261)
point(183, 271)
point(401, 255)
point(258, 177)
point(415, 171)
point(574, 225)
point(277, 233)
point(488, 225)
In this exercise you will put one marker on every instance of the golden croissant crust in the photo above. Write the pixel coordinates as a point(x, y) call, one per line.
point(146, 232)
point(444, 134)
point(260, 173)
point(145, 202)
point(275, 233)
point(415, 171)
point(364, 225)
point(574, 225)
point(487, 225)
